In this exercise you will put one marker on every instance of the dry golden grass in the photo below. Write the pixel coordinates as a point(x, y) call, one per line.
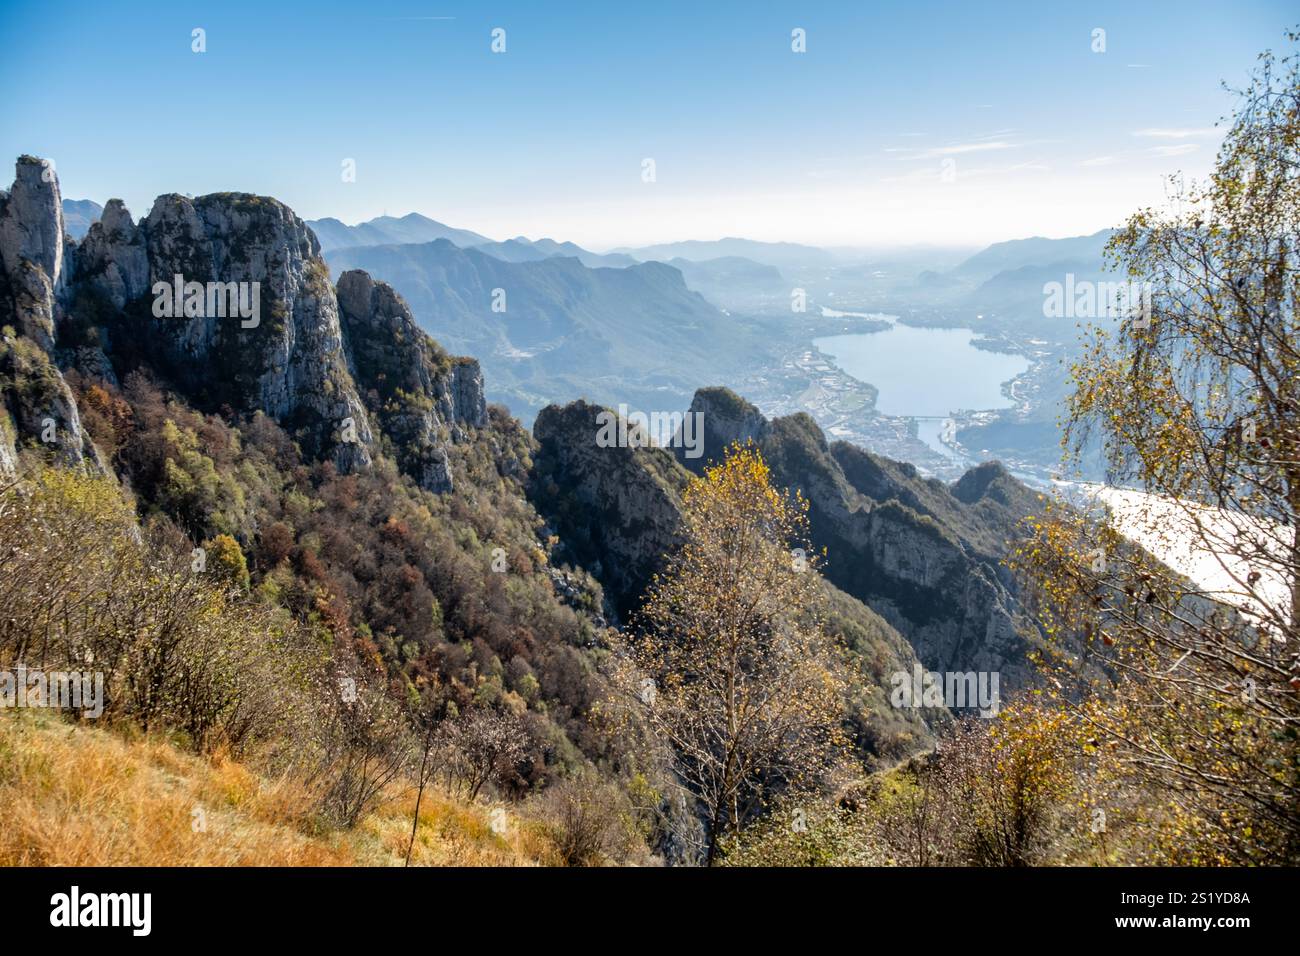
point(80, 795)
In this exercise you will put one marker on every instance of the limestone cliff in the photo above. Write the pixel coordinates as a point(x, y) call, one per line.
point(36, 405)
point(286, 360)
point(421, 397)
point(226, 298)
point(617, 508)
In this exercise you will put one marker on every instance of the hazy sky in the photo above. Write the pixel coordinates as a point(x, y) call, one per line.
point(903, 122)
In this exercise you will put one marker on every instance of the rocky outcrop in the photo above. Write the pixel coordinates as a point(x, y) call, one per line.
point(31, 250)
point(201, 260)
point(926, 557)
point(617, 510)
point(288, 359)
point(8, 453)
point(113, 258)
point(726, 419)
point(469, 404)
point(420, 395)
point(31, 220)
point(227, 299)
point(384, 340)
point(38, 407)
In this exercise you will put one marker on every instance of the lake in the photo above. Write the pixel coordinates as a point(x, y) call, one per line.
point(927, 373)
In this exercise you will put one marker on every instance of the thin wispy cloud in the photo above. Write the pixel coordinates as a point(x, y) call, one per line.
point(1180, 150)
point(1099, 161)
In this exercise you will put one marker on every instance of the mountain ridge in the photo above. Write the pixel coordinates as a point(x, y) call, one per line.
point(389, 230)
point(552, 328)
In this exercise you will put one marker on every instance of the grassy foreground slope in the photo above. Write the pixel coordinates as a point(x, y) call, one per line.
point(74, 794)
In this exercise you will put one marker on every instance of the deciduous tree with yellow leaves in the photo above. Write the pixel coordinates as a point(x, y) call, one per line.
point(1196, 401)
point(729, 662)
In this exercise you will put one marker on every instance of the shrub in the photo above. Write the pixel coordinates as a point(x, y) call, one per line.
point(588, 820)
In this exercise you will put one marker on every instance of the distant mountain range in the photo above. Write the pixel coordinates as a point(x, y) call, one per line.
point(570, 322)
point(552, 328)
point(735, 283)
point(522, 249)
point(1036, 251)
point(751, 276)
point(782, 255)
point(728, 258)
point(1000, 288)
point(389, 230)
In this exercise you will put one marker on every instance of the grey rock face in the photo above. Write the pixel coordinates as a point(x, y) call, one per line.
point(113, 258)
point(31, 220)
point(8, 451)
point(50, 415)
point(946, 597)
point(468, 403)
point(286, 360)
point(38, 407)
point(41, 407)
point(31, 249)
point(419, 394)
point(628, 499)
point(727, 418)
point(29, 298)
point(244, 239)
point(284, 353)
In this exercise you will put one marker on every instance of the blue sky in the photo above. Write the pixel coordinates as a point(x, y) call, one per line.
point(902, 123)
